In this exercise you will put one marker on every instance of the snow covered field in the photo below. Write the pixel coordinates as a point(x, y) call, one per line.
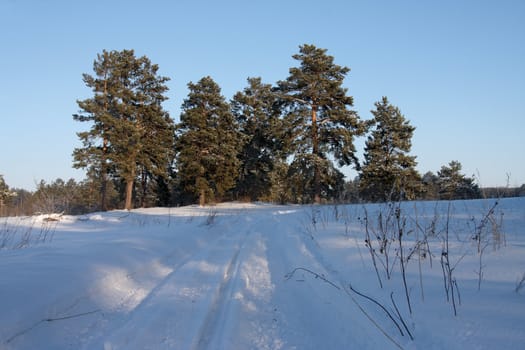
point(255, 276)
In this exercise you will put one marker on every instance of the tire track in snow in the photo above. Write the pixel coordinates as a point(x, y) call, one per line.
point(239, 316)
point(116, 322)
point(300, 298)
point(214, 322)
point(196, 288)
point(166, 279)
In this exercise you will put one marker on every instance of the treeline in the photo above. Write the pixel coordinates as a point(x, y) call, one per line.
point(59, 196)
point(282, 142)
point(73, 197)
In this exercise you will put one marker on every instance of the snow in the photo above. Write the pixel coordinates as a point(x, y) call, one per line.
point(259, 276)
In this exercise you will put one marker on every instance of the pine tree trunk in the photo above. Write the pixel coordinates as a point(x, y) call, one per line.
point(104, 177)
point(202, 198)
point(315, 153)
point(129, 194)
point(104, 170)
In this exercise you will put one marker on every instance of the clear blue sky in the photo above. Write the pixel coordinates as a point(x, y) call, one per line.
point(456, 69)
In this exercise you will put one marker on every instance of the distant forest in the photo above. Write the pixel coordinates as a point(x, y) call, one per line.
point(282, 143)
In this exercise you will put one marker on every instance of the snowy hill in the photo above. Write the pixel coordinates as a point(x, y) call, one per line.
point(254, 276)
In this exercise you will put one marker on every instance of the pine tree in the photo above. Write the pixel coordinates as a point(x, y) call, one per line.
point(318, 113)
point(388, 172)
point(5, 195)
point(131, 132)
point(207, 143)
point(260, 127)
point(455, 185)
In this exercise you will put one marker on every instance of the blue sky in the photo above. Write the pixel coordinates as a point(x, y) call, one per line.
point(456, 69)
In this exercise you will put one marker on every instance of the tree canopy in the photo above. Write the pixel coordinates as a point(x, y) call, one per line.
point(318, 113)
point(455, 185)
point(261, 146)
point(130, 132)
point(283, 143)
point(207, 143)
point(388, 172)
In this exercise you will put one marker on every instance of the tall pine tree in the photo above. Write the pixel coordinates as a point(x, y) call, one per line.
point(318, 113)
point(131, 133)
point(260, 127)
point(207, 143)
point(388, 172)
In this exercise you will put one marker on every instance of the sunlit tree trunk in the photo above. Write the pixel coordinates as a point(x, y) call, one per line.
point(315, 153)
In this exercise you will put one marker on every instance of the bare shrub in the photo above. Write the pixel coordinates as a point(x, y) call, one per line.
point(16, 235)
